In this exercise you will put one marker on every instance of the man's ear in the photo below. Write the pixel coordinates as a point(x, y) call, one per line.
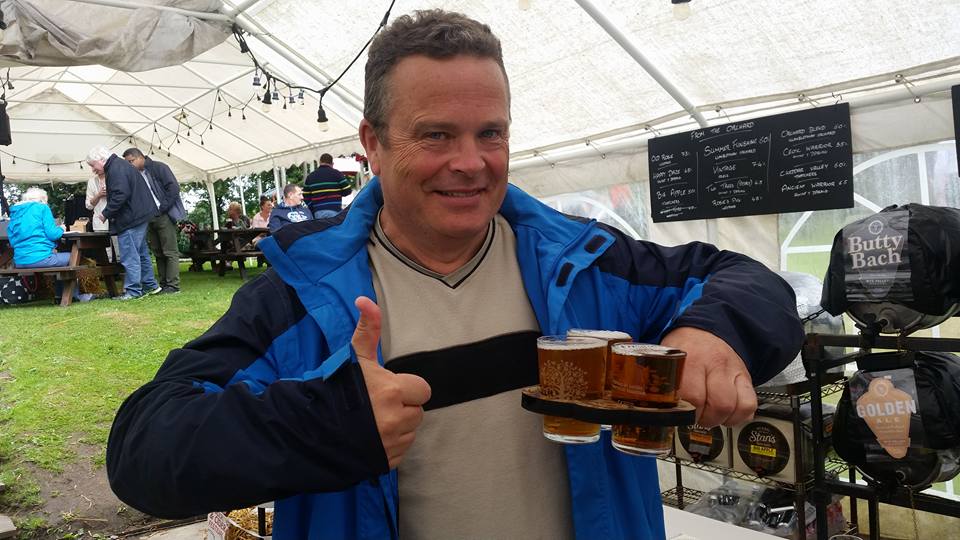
point(371, 144)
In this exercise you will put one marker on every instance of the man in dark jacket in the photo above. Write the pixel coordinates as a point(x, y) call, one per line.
point(291, 210)
point(324, 189)
point(131, 204)
point(162, 229)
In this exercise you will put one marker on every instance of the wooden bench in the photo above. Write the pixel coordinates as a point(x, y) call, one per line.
point(240, 257)
point(63, 273)
point(199, 256)
point(90, 244)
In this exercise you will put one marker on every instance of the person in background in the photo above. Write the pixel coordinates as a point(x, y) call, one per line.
point(291, 210)
point(162, 229)
point(34, 235)
point(324, 189)
point(96, 201)
point(131, 204)
point(236, 219)
point(402, 418)
point(261, 220)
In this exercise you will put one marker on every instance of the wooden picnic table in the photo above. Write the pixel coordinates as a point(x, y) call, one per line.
point(87, 244)
point(223, 246)
point(237, 245)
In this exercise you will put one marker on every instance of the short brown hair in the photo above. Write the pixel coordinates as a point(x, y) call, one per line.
point(433, 33)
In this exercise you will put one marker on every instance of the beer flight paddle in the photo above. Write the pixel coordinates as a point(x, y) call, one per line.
point(593, 380)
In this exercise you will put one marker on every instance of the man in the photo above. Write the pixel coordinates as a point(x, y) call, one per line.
point(131, 204)
point(162, 229)
point(324, 189)
point(291, 210)
point(466, 273)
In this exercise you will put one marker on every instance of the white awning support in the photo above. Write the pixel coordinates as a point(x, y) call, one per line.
point(213, 204)
point(628, 45)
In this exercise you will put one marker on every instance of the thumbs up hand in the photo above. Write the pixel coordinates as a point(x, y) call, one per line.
point(396, 398)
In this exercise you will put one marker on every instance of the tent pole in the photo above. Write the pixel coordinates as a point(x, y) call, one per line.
point(239, 181)
point(259, 189)
point(139, 5)
point(276, 184)
point(241, 7)
point(633, 50)
point(213, 205)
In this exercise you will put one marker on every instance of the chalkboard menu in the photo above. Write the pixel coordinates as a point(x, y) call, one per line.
point(785, 163)
point(956, 119)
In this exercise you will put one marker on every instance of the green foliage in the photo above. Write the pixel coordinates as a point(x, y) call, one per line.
point(227, 190)
point(64, 372)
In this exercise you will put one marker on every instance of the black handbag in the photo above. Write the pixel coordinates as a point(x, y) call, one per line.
point(17, 289)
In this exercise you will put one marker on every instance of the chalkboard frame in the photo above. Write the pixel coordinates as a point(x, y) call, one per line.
point(790, 162)
point(955, 93)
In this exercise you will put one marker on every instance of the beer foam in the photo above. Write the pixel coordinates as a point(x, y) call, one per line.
point(639, 349)
point(599, 334)
point(574, 344)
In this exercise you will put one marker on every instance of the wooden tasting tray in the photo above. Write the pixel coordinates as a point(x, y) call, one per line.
point(605, 411)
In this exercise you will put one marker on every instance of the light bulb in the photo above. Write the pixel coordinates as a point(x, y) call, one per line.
point(681, 10)
point(524, 5)
point(265, 106)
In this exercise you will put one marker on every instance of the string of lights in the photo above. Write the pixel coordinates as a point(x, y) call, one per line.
point(271, 79)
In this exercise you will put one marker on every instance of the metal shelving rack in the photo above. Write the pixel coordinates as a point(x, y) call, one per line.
point(795, 396)
point(816, 363)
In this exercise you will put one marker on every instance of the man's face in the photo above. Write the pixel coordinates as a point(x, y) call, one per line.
point(136, 161)
point(97, 167)
point(295, 198)
point(443, 168)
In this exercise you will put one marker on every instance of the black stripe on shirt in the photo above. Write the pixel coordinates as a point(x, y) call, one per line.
point(476, 370)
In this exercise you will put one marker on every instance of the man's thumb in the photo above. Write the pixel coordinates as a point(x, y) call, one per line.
point(366, 337)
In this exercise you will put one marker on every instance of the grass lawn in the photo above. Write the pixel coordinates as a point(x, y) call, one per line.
point(65, 371)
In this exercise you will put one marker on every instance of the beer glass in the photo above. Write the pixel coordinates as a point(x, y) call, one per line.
point(647, 376)
point(611, 337)
point(571, 368)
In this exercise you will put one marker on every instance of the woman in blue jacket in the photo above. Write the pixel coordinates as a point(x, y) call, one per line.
point(34, 236)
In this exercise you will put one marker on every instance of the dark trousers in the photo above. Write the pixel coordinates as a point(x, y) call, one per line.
point(162, 238)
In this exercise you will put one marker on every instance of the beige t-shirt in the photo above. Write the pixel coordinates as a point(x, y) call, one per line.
point(480, 466)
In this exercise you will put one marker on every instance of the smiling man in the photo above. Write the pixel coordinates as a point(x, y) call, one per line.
point(378, 364)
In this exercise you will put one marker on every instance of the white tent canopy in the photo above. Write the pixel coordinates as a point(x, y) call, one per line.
point(578, 95)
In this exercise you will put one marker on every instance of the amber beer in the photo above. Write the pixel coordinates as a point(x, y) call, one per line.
point(570, 368)
point(647, 376)
point(610, 337)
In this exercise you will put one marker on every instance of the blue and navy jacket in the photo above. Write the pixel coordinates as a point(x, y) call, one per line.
point(32, 231)
point(270, 404)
